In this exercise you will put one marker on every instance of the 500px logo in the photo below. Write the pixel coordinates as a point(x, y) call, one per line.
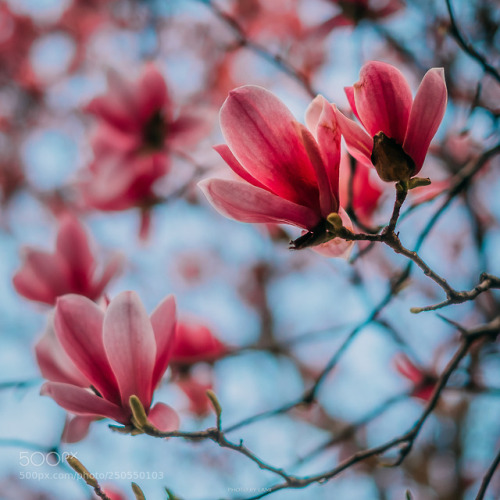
point(37, 458)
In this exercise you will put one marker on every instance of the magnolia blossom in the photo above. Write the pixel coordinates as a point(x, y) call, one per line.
point(195, 342)
point(71, 268)
point(398, 129)
point(96, 360)
point(136, 129)
point(287, 173)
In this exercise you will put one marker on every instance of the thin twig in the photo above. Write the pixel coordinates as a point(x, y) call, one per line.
point(469, 48)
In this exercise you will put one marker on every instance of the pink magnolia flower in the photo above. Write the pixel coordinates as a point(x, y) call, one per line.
point(136, 131)
point(108, 357)
point(398, 128)
point(287, 174)
point(71, 268)
point(195, 342)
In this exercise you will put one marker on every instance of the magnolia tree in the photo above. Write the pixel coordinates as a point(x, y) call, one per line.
point(250, 249)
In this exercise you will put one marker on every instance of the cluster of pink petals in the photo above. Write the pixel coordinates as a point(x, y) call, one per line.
point(382, 101)
point(195, 342)
point(287, 173)
point(135, 132)
point(71, 268)
point(97, 359)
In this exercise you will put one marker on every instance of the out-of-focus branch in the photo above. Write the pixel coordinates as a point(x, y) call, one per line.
point(468, 47)
point(259, 49)
point(487, 477)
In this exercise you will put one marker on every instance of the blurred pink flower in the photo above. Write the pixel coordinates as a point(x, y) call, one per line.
point(97, 359)
point(354, 11)
point(288, 174)
point(398, 128)
point(366, 190)
point(423, 382)
point(195, 342)
point(196, 392)
point(136, 131)
point(71, 268)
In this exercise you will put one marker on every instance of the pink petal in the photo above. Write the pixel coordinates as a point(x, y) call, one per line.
point(152, 94)
point(164, 417)
point(260, 131)
point(328, 203)
point(193, 124)
point(358, 142)
point(72, 245)
point(130, 345)
point(43, 277)
point(246, 203)
point(55, 365)
point(76, 428)
point(383, 100)
point(163, 321)
point(78, 323)
point(28, 284)
point(113, 267)
point(327, 134)
point(349, 92)
point(82, 402)
point(426, 114)
point(236, 166)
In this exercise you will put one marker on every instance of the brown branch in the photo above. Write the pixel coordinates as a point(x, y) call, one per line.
point(404, 442)
point(486, 282)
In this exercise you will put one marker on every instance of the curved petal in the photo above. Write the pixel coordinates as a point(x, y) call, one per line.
point(327, 134)
point(130, 346)
point(328, 203)
point(246, 203)
point(113, 267)
point(426, 114)
point(358, 142)
point(260, 131)
point(236, 166)
point(31, 286)
point(43, 276)
point(163, 321)
point(164, 418)
point(78, 323)
point(55, 365)
point(383, 100)
point(349, 92)
point(72, 245)
point(152, 94)
point(76, 428)
point(118, 106)
point(82, 402)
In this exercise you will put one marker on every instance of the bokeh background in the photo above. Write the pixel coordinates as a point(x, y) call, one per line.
point(282, 313)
